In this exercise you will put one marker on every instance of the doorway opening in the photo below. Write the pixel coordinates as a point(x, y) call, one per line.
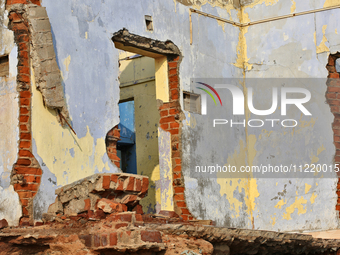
point(139, 119)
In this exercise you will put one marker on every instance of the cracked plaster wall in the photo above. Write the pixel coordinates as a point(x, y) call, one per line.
point(296, 47)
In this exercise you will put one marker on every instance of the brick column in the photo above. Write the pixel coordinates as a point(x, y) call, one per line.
point(333, 99)
point(170, 121)
point(26, 173)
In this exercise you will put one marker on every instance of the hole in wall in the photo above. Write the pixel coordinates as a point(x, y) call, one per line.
point(337, 65)
point(4, 66)
point(192, 102)
point(148, 22)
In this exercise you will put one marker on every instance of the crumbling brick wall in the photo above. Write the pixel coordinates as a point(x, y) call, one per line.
point(112, 137)
point(26, 174)
point(171, 121)
point(32, 34)
point(333, 99)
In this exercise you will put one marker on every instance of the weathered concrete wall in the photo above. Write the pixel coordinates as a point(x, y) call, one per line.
point(297, 47)
point(89, 64)
point(9, 131)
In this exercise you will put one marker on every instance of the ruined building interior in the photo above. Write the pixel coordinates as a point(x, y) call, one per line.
point(100, 127)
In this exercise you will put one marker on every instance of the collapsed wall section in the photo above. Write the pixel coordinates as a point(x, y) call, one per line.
point(32, 34)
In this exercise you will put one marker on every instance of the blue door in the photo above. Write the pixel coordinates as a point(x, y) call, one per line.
point(126, 147)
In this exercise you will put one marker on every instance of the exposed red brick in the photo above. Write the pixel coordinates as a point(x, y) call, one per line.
point(123, 217)
point(37, 2)
point(173, 78)
point(96, 240)
point(103, 240)
point(176, 154)
point(167, 119)
point(179, 197)
point(23, 62)
point(24, 212)
point(23, 110)
point(184, 217)
point(23, 118)
point(31, 178)
point(87, 204)
point(181, 204)
point(172, 72)
point(3, 223)
point(131, 184)
point(138, 209)
point(164, 126)
point(23, 127)
point(24, 221)
point(164, 113)
point(114, 178)
point(106, 181)
point(164, 106)
point(113, 156)
point(87, 240)
point(113, 239)
point(145, 185)
point(138, 185)
point(116, 133)
point(174, 131)
point(25, 153)
point(121, 225)
point(23, 38)
point(177, 176)
point(333, 75)
point(32, 187)
point(172, 65)
point(173, 85)
point(25, 101)
point(177, 169)
point(25, 194)
point(24, 202)
point(333, 89)
point(23, 70)
point(185, 211)
point(25, 136)
point(151, 236)
point(27, 170)
point(120, 186)
point(331, 95)
point(23, 162)
point(13, 16)
point(9, 2)
point(25, 94)
point(179, 189)
point(178, 161)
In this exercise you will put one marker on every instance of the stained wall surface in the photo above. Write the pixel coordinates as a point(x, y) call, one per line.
point(296, 47)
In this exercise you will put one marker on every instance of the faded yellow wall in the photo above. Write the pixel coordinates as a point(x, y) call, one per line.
point(134, 74)
point(66, 155)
